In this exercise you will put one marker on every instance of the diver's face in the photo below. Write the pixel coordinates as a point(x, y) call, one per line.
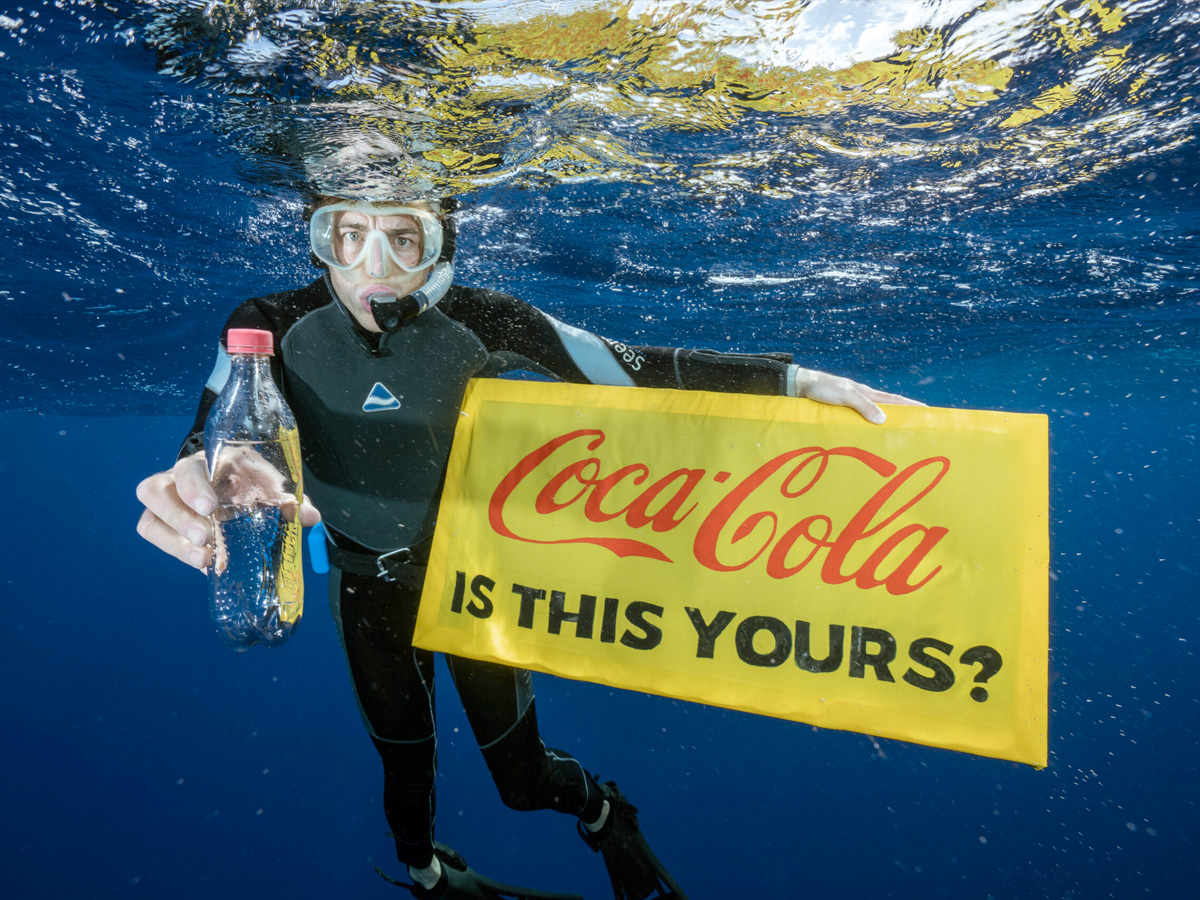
point(372, 266)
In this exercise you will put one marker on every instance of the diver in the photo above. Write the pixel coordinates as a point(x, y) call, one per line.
point(373, 358)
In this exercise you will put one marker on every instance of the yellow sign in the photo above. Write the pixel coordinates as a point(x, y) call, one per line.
point(758, 553)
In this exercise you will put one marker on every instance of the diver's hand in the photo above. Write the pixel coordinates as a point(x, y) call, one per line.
point(245, 479)
point(838, 391)
point(178, 505)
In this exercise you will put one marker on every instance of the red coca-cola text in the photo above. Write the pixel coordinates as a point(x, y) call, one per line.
point(736, 533)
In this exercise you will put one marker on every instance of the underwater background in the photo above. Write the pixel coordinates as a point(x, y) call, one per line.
point(989, 205)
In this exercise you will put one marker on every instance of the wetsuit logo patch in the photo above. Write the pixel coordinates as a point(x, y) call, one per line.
point(380, 399)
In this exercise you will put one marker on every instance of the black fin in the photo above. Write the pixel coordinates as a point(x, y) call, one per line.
point(633, 869)
point(460, 882)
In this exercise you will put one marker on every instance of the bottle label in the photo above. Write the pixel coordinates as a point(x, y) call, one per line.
point(290, 581)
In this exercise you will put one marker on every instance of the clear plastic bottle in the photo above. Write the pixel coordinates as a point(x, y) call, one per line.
point(252, 448)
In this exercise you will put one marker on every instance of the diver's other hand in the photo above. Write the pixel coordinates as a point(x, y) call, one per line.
point(838, 391)
point(178, 505)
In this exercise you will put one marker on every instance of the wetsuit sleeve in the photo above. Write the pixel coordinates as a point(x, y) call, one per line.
point(250, 314)
point(519, 335)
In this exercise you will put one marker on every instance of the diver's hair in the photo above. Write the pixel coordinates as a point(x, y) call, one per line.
point(446, 207)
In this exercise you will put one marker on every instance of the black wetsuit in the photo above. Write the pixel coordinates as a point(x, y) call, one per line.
point(376, 415)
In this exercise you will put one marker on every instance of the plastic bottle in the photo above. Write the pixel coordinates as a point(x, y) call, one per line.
point(252, 449)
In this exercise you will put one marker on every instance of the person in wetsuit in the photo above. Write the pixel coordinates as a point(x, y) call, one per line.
point(373, 359)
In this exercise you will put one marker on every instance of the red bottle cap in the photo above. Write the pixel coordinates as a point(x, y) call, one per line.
point(249, 340)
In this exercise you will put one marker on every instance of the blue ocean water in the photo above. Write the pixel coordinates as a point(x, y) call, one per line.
point(1022, 241)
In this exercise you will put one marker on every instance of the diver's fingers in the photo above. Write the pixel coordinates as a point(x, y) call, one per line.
point(838, 391)
point(160, 494)
point(171, 542)
point(858, 400)
point(191, 483)
point(289, 508)
point(888, 397)
point(309, 514)
point(835, 390)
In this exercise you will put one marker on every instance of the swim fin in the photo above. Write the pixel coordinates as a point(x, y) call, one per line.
point(460, 882)
point(633, 868)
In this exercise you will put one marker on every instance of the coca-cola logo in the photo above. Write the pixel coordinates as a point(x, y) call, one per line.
point(762, 518)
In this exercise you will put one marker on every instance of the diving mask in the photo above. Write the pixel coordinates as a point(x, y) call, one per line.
point(346, 236)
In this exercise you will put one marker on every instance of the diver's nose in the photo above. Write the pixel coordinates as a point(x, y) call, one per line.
point(376, 258)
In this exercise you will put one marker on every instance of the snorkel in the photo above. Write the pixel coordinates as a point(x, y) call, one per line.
point(392, 313)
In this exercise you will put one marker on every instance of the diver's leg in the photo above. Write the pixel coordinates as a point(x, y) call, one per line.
point(393, 682)
point(500, 707)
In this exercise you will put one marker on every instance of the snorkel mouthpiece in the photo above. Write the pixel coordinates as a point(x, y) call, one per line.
point(392, 313)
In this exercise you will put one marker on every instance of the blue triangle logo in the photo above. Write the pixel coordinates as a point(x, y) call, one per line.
point(380, 399)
